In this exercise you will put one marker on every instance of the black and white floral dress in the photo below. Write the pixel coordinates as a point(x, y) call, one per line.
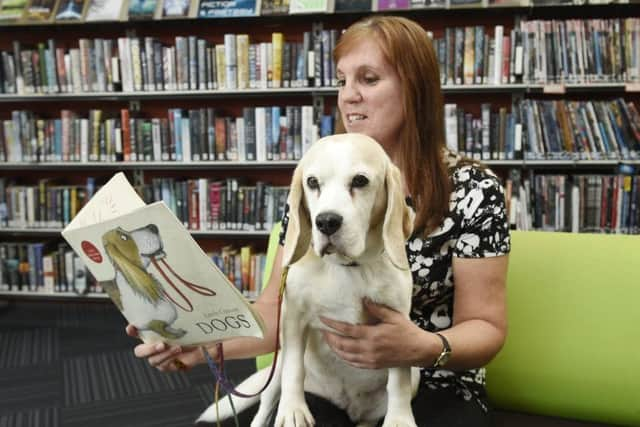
point(476, 227)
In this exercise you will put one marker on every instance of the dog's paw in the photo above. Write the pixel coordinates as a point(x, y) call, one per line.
point(399, 421)
point(295, 415)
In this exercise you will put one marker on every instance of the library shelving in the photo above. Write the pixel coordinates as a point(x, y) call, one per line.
point(186, 105)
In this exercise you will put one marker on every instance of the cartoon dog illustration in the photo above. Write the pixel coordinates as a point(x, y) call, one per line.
point(136, 292)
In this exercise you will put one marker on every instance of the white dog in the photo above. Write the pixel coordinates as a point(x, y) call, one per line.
point(345, 242)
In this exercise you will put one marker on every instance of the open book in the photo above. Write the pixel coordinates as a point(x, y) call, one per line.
point(155, 273)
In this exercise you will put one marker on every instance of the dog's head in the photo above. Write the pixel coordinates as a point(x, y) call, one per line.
point(347, 201)
point(130, 253)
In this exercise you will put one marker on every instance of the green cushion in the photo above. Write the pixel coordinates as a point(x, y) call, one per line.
point(274, 241)
point(573, 346)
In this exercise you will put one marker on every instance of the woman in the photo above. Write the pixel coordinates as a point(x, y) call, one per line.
point(389, 89)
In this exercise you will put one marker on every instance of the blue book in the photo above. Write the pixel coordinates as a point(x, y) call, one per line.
point(274, 144)
point(326, 125)
point(227, 8)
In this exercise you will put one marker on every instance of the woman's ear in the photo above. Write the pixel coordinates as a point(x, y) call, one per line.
point(398, 219)
point(296, 242)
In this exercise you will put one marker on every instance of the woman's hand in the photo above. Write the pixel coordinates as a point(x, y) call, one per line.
point(164, 357)
point(392, 340)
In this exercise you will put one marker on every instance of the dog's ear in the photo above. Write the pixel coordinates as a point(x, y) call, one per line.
point(296, 242)
point(398, 219)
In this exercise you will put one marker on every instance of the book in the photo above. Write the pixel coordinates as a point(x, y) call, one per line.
point(178, 8)
point(311, 6)
point(70, 10)
point(142, 9)
point(227, 8)
point(352, 6)
point(274, 7)
point(12, 10)
point(154, 271)
point(104, 10)
point(380, 5)
point(39, 10)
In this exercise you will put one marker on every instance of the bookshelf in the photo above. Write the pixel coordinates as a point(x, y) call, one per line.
point(148, 99)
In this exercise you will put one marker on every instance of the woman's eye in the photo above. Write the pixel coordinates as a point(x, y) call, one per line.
point(370, 80)
point(359, 181)
point(313, 183)
point(341, 82)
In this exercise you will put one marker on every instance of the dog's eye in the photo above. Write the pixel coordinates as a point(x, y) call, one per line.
point(359, 181)
point(313, 183)
point(124, 237)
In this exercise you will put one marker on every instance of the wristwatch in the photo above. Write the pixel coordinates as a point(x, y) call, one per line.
point(444, 356)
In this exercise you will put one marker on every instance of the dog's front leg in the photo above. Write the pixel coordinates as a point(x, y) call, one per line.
point(399, 393)
point(293, 410)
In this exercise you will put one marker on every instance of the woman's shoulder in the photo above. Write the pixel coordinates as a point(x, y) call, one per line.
point(468, 173)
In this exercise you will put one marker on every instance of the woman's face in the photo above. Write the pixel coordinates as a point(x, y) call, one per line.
point(369, 95)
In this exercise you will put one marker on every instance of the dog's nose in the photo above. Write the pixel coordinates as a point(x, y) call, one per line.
point(328, 222)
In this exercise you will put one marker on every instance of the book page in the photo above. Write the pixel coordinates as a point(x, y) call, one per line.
point(117, 197)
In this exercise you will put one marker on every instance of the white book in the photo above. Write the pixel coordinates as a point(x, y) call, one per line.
point(203, 203)
point(261, 137)
point(186, 139)
point(242, 139)
point(104, 10)
point(155, 273)
point(498, 37)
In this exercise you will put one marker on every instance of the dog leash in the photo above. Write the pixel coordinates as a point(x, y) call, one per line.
point(196, 288)
point(218, 367)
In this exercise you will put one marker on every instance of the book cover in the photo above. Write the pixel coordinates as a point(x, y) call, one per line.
point(154, 271)
point(70, 10)
point(104, 10)
point(467, 3)
point(311, 6)
point(421, 4)
point(39, 10)
point(353, 5)
point(142, 9)
point(177, 8)
point(227, 8)
point(274, 7)
point(12, 10)
point(392, 4)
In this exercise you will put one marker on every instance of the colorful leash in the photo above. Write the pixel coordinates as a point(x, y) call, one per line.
point(217, 368)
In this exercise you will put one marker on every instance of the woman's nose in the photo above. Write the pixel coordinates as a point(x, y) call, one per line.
point(350, 93)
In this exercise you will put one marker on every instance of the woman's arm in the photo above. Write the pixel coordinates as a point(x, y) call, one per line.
point(479, 312)
point(477, 334)
point(163, 356)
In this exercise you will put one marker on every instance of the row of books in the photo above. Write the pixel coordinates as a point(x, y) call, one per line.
point(577, 203)
point(576, 50)
point(260, 134)
point(219, 204)
point(51, 267)
point(134, 64)
point(534, 52)
point(200, 204)
point(539, 52)
point(547, 130)
point(118, 10)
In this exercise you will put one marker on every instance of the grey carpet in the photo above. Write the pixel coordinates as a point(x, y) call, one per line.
point(69, 364)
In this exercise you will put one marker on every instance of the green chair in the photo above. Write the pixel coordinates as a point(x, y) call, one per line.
point(266, 359)
point(573, 346)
